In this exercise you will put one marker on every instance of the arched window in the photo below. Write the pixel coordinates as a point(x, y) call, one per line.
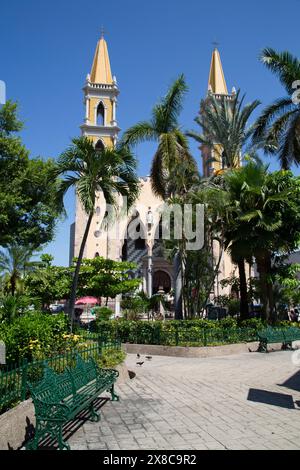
point(139, 242)
point(100, 114)
point(124, 251)
point(97, 255)
point(99, 145)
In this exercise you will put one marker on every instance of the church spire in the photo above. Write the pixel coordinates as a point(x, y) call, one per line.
point(216, 81)
point(101, 72)
point(100, 97)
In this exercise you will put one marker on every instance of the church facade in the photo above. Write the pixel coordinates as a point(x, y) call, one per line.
point(135, 236)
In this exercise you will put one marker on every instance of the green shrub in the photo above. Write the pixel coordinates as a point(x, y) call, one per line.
point(198, 332)
point(111, 357)
point(255, 323)
point(103, 313)
point(228, 322)
point(233, 307)
point(36, 335)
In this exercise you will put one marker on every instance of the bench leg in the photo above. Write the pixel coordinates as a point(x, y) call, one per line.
point(114, 396)
point(43, 428)
point(262, 347)
point(33, 444)
point(62, 445)
point(94, 416)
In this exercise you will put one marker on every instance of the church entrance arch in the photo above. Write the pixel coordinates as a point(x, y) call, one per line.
point(161, 280)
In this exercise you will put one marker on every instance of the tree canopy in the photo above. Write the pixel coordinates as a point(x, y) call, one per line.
point(28, 207)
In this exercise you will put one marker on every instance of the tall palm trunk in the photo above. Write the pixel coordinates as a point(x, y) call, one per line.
point(178, 286)
point(266, 288)
point(13, 283)
point(76, 273)
point(244, 308)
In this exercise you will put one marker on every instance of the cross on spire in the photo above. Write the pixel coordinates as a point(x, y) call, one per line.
point(102, 32)
point(215, 43)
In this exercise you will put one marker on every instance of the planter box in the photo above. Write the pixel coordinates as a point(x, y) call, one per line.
point(182, 351)
point(17, 426)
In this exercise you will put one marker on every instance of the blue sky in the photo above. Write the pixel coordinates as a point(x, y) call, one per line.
point(47, 49)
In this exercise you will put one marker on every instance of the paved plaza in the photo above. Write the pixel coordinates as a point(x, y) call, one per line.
point(245, 401)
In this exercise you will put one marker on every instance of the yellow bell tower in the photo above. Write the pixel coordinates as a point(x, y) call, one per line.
point(212, 158)
point(100, 98)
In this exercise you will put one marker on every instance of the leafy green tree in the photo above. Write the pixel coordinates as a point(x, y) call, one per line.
point(286, 281)
point(205, 265)
point(163, 128)
point(28, 207)
point(260, 207)
point(106, 278)
point(91, 170)
point(277, 129)
point(225, 122)
point(46, 282)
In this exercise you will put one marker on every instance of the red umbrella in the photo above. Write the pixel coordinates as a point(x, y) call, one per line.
point(87, 301)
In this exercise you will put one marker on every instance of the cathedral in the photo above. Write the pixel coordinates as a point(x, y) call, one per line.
point(115, 242)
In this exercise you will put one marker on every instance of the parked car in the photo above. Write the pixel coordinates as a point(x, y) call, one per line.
point(57, 308)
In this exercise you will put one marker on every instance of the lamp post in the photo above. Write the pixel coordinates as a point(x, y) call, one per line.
point(149, 220)
point(2, 92)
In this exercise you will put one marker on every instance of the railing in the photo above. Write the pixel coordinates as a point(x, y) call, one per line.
point(13, 378)
point(178, 335)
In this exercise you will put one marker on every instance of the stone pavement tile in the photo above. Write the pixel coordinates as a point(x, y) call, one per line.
point(80, 446)
point(198, 403)
point(97, 446)
point(215, 446)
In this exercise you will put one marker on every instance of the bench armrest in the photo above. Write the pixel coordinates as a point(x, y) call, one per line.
point(50, 410)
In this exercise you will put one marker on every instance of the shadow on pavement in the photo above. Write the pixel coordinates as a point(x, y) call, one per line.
point(292, 382)
point(271, 398)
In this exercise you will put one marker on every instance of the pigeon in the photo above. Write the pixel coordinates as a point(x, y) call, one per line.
point(138, 355)
point(149, 358)
point(140, 363)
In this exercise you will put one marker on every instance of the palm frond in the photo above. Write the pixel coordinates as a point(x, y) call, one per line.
point(141, 132)
point(283, 64)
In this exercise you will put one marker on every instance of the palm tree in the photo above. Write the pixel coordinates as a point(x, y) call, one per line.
point(172, 151)
point(278, 128)
point(225, 122)
point(90, 170)
point(13, 262)
point(163, 128)
point(260, 207)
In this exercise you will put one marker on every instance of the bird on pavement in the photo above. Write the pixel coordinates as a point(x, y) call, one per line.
point(138, 355)
point(149, 358)
point(140, 363)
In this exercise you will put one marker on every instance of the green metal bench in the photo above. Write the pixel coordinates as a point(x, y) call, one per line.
point(291, 334)
point(58, 398)
point(285, 336)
